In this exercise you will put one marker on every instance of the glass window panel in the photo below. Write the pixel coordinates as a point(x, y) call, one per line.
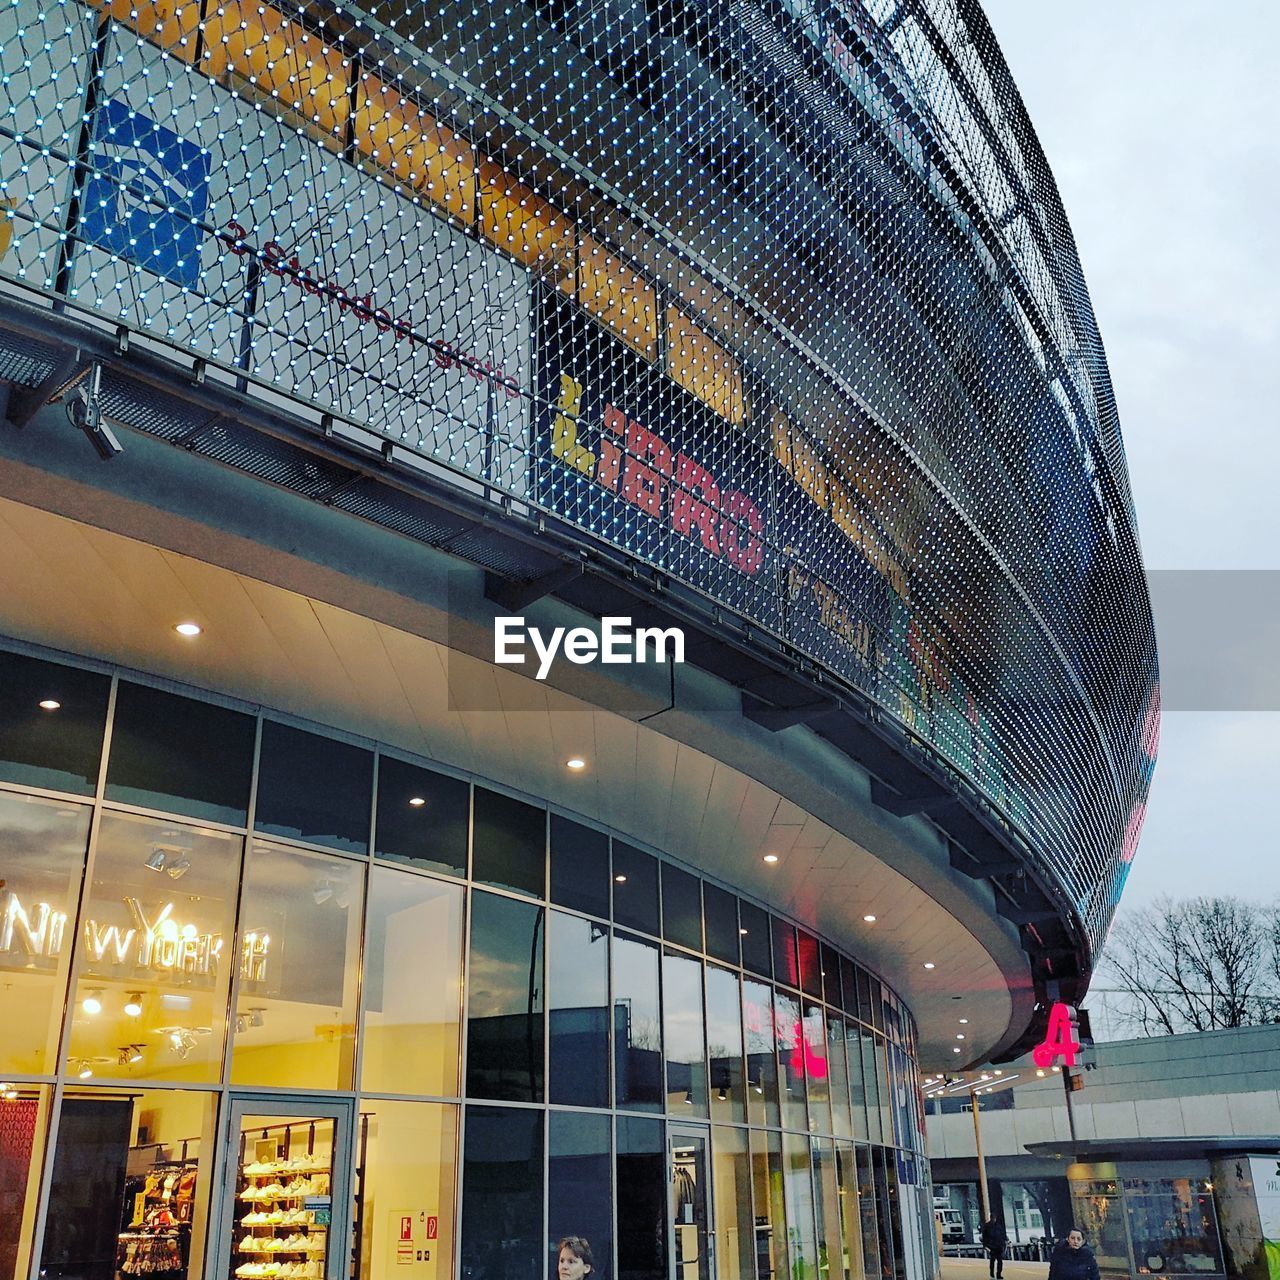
point(791, 1090)
point(24, 1121)
point(761, 1046)
point(884, 1214)
point(754, 932)
point(857, 1081)
point(155, 952)
point(724, 1045)
point(683, 1035)
point(129, 1194)
point(849, 983)
point(867, 1209)
point(826, 1203)
point(681, 907)
point(798, 1184)
point(579, 868)
point(875, 994)
point(505, 985)
point(635, 888)
point(883, 1092)
point(641, 1198)
point(831, 977)
point(412, 984)
point(864, 996)
point(313, 788)
point(502, 1195)
point(578, 962)
point(767, 1197)
point(817, 1068)
point(1173, 1226)
point(422, 817)
point(637, 1025)
point(850, 1213)
point(838, 1074)
point(810, 964)
point(409, 1167)
point(786, 959)
point(509, 845)
point(720, 915)
point(871, 1084)
point(734, 1220)
point(59, 748)
point(895, 1214)
point(42, 848)
point(300, 919)
point(180, 754)
point(580, 1185)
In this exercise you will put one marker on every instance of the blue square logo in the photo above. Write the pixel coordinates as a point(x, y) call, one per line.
point(147, 194)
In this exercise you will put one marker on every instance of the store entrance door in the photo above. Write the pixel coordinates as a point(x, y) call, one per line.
point(285, 1190)
point(692, 1236)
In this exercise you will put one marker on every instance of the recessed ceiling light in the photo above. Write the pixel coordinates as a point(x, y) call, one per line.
point(771, 857)
point(928, 964)
point(575, 762)
point(188, 628)
point(869, 919)
point(417, 802)
point(742, 933)
point(964, 1022)
point(50, 704)
point(133, 1006)
point(620, 879)
point(956, 1049)
point(959, 1035)
point(92, 1003)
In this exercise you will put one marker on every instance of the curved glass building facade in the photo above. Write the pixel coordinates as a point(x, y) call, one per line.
point(757, 319)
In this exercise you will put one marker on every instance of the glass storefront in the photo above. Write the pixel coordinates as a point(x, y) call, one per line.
point(280, 1005)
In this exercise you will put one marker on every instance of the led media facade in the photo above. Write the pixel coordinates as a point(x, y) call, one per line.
point(776, 295)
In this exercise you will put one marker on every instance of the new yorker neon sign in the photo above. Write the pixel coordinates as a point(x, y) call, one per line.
point(1060, 1039)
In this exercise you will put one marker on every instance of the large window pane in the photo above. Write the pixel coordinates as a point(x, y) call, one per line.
point(867, 1208)
point(724, 1045)
point(810, 964)
point(827, 1207)
point(129, 1194)
point(423, 817)
point(412, 984)
point(884, 1092)
point(734, 1220)
point(642, 1199)
point(54, 746)
point(314, 789)
point(579, 868)
point(635, 888)
point(754, 932)
point(683, 1035)
point(850, 1215)
point(838, 1075)
point(180, 754)
point(720, 916)
point(871, 1085)
point(798, 1181)
point(155, 952)
point(24, 1120)
point(786, 959)
point(502, 1195)
point(300, 920)
point(857, 1081)
point(831, 977)
point(409, 1170)
point(884, 1214)
point(578, 964)
point(762, 1053)
point(681, 907)
point(580, 1185)
point(509, 844)
point(637, 1025)
point(42, 848)
point(771, 1216)
point(817, 1069)
point(791, 1077)
point(505, 1000)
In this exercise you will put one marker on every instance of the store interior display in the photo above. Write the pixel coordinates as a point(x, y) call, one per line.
point(157, 1209)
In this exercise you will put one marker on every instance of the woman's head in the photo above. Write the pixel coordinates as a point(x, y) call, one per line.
point(575, 1260)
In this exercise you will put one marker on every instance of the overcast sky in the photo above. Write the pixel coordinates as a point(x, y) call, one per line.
point(1161, 123)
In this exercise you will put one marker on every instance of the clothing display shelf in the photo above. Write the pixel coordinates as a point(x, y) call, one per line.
point(156, 1223)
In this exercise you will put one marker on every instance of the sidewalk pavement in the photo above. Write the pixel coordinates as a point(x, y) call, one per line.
point(976, 1269)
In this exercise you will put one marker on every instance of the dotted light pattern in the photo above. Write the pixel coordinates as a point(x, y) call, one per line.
point(776, 294)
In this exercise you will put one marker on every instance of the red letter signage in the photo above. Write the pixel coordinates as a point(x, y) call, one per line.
point(1060, 1039)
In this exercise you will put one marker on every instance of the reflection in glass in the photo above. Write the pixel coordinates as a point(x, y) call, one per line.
point(810, 964)
point(857, 1082)
point(838, 1075)
point(578, 1001)
point(60, 748)
point(635, 888)
point(509, 843)
point(683, 1034)
point(734, 1221)
point(1173, 1226)
point(410, 1164)
point(180, 754)
point(724, 1045)
point(313, 788)
point(850, 1213)
point(579, 867)
point(831, 976)
point(720, 915)
point(827, 1208)
point(24, 1121)
point(681, 907)
point(791, 1073)
point(505, 1000)
point(580, 1184)
point(888, 1261)
point(642, 1198)
point(130, 1186)
point(867, 1208)
point(817, 1068)
point(871, 1086)
point(300, 920)
point(771, 1216)
point(42, 848)
point(156, 952)
point(761, 1045)
point(786, 959)
point(411, 1026)
point(754, 932)
point(422, 817)
point(502, 1195)
point(798, 1183)
point(637, 1025)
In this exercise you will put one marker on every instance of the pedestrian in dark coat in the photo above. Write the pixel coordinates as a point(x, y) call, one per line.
point(994, 1240)
point(1073, 1259)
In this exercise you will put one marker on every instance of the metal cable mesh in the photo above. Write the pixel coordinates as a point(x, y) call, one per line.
point(776, 294)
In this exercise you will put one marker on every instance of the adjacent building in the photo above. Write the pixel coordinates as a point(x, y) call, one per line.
point(335, 940)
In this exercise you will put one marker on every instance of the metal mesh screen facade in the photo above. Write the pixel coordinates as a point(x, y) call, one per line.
point(778, 295)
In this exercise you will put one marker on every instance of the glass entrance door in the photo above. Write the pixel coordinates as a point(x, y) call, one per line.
point(286, 1195)
point(692, 1236)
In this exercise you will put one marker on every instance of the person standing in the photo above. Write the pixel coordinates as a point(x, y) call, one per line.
point(994, 1240)
point(1073, 1259)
